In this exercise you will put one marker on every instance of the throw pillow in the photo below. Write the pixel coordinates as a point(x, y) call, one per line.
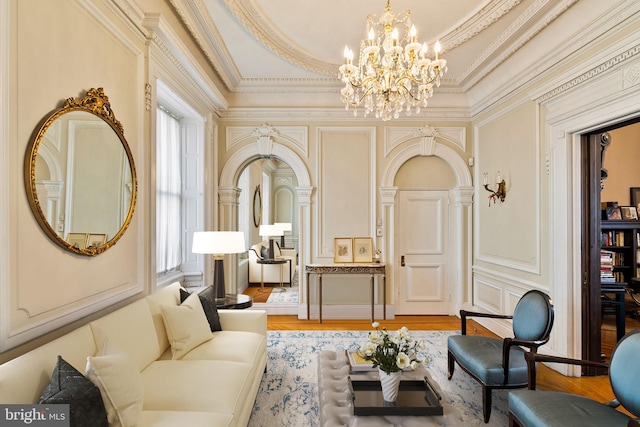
point(68, 386)
point(120, 384)
point(208, 301)
point(264, 252)
point(186, 324)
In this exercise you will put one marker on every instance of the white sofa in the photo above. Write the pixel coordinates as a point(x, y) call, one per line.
point(271, 271)
point(213, 384)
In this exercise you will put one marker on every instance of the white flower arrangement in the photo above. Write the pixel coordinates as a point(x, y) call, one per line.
point(392, 351)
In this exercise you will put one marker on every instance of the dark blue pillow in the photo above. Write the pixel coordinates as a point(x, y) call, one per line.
point(208, 301)
point(68, 386)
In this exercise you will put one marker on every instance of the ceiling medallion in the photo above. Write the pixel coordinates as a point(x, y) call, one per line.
point(393, 72)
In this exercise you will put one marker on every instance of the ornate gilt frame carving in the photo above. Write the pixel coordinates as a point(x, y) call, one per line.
point(96, 103)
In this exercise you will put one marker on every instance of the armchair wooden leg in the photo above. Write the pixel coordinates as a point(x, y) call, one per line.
point(486, 403)
point(452, 364)
point(513, 421)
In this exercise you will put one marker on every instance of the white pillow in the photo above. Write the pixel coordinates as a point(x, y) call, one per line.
point(187, 325)
point(120, 384)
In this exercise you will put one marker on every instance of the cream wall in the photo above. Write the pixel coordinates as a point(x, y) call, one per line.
point(56, 50)
point(49, 287)
point(348, 163)
point(533, 135)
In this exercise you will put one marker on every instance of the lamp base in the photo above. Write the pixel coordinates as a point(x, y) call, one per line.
point(218, 279)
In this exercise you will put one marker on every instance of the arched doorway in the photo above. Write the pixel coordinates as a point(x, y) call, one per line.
point(425, 142)
point(266, 142)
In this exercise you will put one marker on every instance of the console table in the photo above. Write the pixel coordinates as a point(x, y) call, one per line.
point(361, 269)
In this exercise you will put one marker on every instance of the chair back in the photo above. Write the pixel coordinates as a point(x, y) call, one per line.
point(533, 317)
point(624, 372)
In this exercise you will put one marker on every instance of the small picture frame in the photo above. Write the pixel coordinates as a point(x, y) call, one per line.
point(629, 213)
point(77, 240)
point(342, 249)
point(613, 213)
point(363, 249)
point(95, 240)
point(635, 197)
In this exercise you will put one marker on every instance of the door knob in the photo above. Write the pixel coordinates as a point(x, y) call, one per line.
point(402, 261)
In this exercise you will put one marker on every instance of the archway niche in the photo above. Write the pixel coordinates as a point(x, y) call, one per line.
point(266, 142)
point(428, 141)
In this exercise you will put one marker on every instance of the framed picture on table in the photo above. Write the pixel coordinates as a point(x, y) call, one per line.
point(362, 249)
point(635, 197)
point(342, 249)
point(613, 213)
point(629, 213)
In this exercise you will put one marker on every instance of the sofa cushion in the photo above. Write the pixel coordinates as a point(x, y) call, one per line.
point(169, 295)
point(120, 384)
point(68, 386)
point(197, 385)
point(140, 341)
point(225, 344)
point(208, 301)
point(186, 324)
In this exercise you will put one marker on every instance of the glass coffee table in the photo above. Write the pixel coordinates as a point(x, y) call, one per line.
point(350, 397)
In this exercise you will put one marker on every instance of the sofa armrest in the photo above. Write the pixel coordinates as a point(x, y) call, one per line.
point(244, 320)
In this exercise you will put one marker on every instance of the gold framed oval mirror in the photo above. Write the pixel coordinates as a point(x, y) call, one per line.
point(80, 176)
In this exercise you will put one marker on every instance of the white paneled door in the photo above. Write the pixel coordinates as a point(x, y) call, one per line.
point(423, 259)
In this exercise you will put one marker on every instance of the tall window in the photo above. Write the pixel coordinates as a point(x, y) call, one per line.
point(168, 193)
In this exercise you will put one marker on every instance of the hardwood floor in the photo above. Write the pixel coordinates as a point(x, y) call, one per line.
point(597, 388)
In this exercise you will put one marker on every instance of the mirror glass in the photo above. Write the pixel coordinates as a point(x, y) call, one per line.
point(80, 176)
point(257, 207)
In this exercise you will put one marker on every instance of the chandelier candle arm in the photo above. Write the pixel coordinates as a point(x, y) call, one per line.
point(393, 73)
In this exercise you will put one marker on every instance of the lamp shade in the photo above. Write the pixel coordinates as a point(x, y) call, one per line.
point(218, 242)
point(270, 230)
point(284, 226)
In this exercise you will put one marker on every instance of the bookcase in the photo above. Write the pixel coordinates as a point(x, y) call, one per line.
point(620, 254)
point(619, 268)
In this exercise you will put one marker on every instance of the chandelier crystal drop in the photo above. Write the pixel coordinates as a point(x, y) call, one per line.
point(393, 72)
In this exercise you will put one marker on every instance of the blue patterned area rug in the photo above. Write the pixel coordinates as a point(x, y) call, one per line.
point(288, 394)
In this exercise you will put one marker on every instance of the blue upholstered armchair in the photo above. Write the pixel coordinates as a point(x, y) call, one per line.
point(535, 408)
point(500, 363)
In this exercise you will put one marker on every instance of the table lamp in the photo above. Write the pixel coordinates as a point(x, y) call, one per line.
point(218, 243)
point(270, 231)
point(285, 226)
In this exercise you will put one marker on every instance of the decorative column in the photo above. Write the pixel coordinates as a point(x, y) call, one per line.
point(304, 248)
point(461, 237)
point(388, 196)
point(228, 200)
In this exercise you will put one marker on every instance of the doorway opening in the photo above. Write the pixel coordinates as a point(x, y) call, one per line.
point(611, 232)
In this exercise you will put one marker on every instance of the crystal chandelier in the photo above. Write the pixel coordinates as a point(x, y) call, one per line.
point(393, 72)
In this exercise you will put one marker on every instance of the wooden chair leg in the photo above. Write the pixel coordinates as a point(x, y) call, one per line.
point(513, 421)
point(452, 364)
point(486, 403)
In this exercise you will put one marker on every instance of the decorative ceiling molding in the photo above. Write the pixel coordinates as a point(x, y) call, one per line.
point(267, 33)
point(197, 19)
point(478, 22)
point(509, 42)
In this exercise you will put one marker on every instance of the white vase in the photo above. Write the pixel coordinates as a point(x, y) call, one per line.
point(390, 384)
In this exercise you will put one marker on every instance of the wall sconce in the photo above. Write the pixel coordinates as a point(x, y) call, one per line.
point(500, 193)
